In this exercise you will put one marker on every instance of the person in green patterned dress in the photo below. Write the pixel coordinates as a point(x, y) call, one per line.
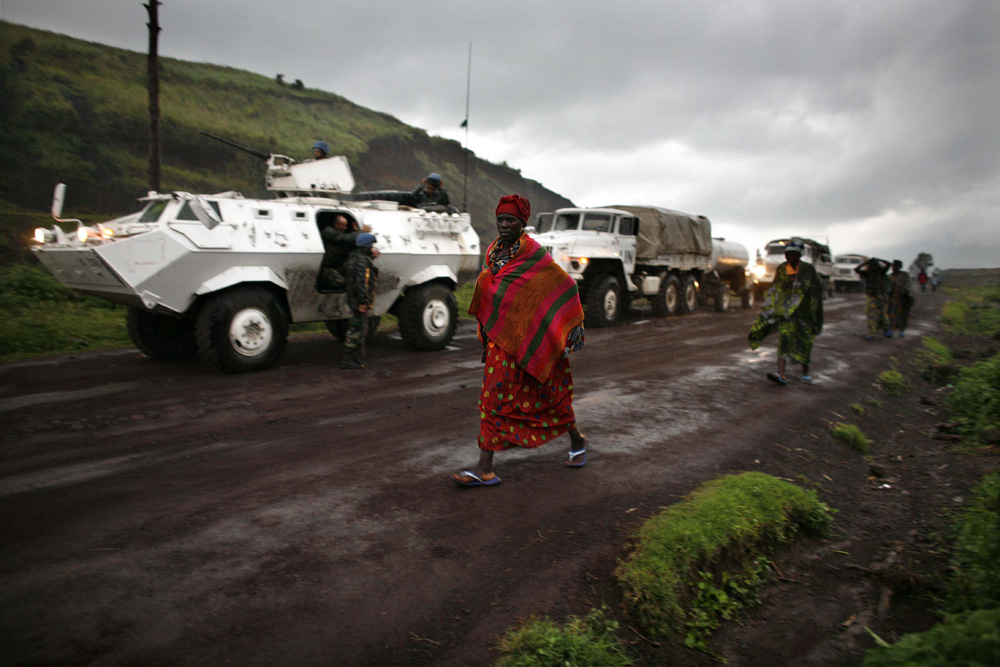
point(876, 287)
point(793, 308)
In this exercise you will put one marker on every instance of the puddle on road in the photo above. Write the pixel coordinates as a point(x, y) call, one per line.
point(19, 402)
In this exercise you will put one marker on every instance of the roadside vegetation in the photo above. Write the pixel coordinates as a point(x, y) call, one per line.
point(851, 435)
point(893, 381)
point(539, 642)
point(974, 311)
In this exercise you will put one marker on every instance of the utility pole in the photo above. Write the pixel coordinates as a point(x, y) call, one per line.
point(465, 124)
point(153, 83)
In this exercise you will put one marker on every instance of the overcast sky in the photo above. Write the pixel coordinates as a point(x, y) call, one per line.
point(873, 124)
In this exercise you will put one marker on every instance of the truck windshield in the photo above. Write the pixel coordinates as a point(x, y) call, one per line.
point(566, 221)
point(597, 222)
point(153, 211)
point(543, 221)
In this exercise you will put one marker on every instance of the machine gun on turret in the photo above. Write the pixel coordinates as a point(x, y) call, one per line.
point(290, 178)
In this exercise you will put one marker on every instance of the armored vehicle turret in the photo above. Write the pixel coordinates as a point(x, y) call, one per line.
point(222, 276)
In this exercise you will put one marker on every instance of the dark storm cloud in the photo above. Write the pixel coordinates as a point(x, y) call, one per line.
point(874, 124)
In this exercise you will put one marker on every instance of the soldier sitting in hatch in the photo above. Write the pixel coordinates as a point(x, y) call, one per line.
point(338, 242)
point(431, 192)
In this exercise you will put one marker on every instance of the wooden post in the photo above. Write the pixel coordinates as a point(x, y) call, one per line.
point(153, 83)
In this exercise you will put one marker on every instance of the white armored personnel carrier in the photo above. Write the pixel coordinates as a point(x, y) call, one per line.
point(223, 276)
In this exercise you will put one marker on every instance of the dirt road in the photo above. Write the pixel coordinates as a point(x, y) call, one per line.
point(160, 513)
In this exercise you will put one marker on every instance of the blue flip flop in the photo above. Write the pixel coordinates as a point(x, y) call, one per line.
point(574, 455)
point(777, 379)
point(475, 481)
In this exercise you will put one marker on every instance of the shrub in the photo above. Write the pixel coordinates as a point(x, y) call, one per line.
point(24, 286)
point(975, 403)
point(539, 642)
point(975, 583)
point(852, 436)
point(695, 563)
point(893, 381)
point(969, 639)
point(934, 361)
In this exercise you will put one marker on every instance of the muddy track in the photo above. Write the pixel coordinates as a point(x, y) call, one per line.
point(160, 513)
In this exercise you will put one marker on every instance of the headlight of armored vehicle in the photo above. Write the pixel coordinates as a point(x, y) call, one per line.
point(82, 233)
point(760, 270)
point(43, 235)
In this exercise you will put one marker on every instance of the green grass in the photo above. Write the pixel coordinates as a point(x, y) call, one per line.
point(971, 639)
point(697, 562)
point(934, 360)
point(893, 381)
point(975, 311)
point(975, 402)
point(858, 408)
point(975, 582)
point(874, 402)
point(852, 436)
point(589, 641)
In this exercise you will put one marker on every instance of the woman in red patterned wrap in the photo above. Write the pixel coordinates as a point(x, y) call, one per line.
point(530, 320)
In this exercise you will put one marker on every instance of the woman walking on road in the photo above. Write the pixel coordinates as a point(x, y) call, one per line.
point(873, 272)
point(793, 308)
point(900, 299)
point(530, 320)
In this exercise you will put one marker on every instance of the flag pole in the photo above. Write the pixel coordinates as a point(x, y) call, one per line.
point(465, 176)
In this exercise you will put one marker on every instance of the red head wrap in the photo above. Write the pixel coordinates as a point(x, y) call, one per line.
point(514, 205)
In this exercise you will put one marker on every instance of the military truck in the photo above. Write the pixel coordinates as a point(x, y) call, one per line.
point(816, 253)
point(620, 253)
point(223, 276)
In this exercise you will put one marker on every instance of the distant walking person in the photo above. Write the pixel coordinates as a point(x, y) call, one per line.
point(876, 286)
point(922, 279)
point(431, 192)
point(361, 275)
point(530, 320)
point(900, 299)
point(793, 308)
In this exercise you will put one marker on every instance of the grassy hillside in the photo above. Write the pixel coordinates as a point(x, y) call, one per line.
point(76, 112)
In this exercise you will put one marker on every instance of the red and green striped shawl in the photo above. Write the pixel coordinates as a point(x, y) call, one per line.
point(528, 308)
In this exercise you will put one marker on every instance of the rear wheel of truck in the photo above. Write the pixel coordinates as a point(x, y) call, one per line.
point(689, 296)
point(242, 330)
point(665, 302)
point(722, 298)
point(604, 302)
point(427, 317)
point(748, 297)
point(161, 337)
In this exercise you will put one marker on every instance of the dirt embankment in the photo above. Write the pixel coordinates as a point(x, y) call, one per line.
point(164, 514)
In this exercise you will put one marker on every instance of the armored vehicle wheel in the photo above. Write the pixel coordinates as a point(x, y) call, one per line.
point(604, 302)
point(665, 303)
point(689, 296)
point(427, 317)
point(242, 330)
point(161, 337)
point(722, 298)
point(748, 298)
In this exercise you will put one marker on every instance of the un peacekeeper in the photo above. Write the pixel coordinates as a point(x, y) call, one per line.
point(321, 150)
point(338, 242)
point(361, 276)
point(431, 191)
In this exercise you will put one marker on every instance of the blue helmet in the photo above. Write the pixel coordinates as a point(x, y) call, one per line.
point(365, 240)
point(323, 146)
point(435, 178)
point(795, 245)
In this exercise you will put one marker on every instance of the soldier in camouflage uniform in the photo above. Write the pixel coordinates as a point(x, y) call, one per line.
point(361, 275)
point(338, 243)
point(431, 192)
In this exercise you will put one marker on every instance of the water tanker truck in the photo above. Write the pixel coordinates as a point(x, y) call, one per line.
point(222, 276)
point(620, 253)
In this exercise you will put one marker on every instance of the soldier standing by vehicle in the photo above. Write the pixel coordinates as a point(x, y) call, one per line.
point(431, 191)
point(361, 275)
point(338, 243)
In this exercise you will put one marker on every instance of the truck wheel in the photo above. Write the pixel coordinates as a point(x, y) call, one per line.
point(427, 317)
point(748, 298)
point(722, 298)
point(604, 302)
point(161, 337)
point(665, 303)
point(689, 296)
point(242, 330)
